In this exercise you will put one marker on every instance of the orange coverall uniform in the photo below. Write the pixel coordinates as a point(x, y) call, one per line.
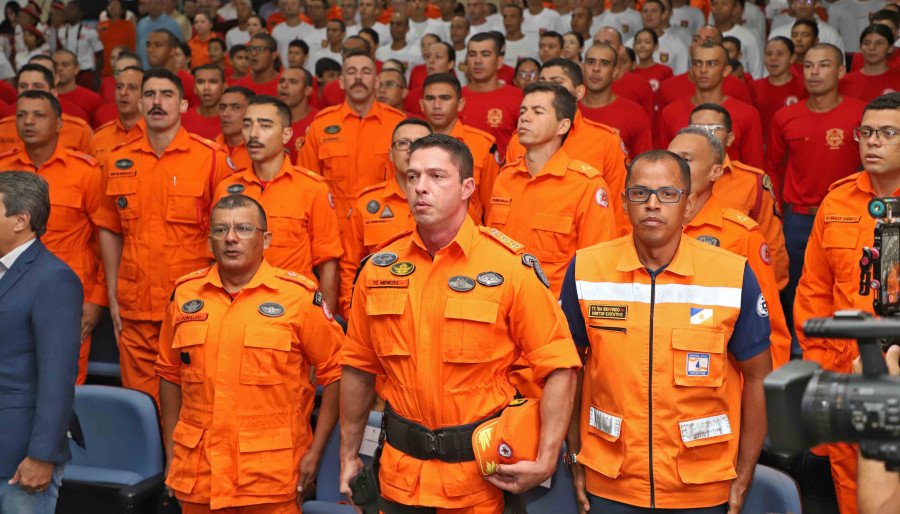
point(111, 135)
point(160, 205)
point(730, 230)
point(350, 151)
point(239, 156)
point(749, 190)
point(381, 213)
point(484, 153)
point(666, 438)
point(74, 180)
point(299, 213)
point(829, 283)
point(600, 146)
point(75, 133)
point(243, 368)
point(428, 340)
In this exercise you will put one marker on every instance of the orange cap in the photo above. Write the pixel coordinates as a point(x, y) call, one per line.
point(511, 438)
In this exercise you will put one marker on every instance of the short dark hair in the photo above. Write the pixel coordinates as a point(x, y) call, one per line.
point(632, 55)
point(326, 64)
point(218, 41)
point(36, 94)
point(235, 49)
point(340, 23)
point(401, 72)
point(733, 40)
point(443, 78)
point(489, 36)
point(715, 108)
point(707, 45)
point(412, 121)
point(526, 60)
point(712, 142)
point(365, 42)
point(238, 201)
point(888, 102)
point(555, 35)
point(359, 53)
point(881, 30)
point(65, 51)
point(514, 6)
point(570, 68)
point(809, 23)
point(607, 46)
point(171, 39)
point(577, 36)
point(48, 75)
point(371, 32)
point(786, 41)
point(163, 73)
point(29, 193)
point(662, 155)
point(887, 15)
point(662, 6)
point(299, 43)
point(209, 67)
point(653, 35)
point(43, 58)
point(451, 52)
point(460, 155)
point(247, 93)
point(128, 54)
point(186, 50)
point(132, 68)
point(563, 102)
point(270, 42)
point(284, 112)
point(838, 53)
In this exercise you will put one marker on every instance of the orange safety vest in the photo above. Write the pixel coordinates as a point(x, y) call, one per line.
point(661, 405)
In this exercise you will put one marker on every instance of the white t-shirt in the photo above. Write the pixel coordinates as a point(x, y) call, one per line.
point(565, 21)
point(672, 52)
point(827, 34)
point(325, 52)
point(751, 57)
point(384, 33)
point(688, 18)
point(628, 22)
point(284, 34)
point(543, 21)
point(409, 54)
point(81, 40)
point(525, 47)
point(755, 21)
point(851, 17)
point(236, 36)
point(490, 23)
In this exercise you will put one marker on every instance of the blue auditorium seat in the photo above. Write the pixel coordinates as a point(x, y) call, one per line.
point(772, 491)
point(558, 499)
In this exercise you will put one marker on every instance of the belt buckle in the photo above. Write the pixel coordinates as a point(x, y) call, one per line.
point(435, 443)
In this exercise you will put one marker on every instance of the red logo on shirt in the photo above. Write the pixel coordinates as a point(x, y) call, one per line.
point(494, 117)
point(654, 84)
point(664, 57)
point(835, 138)
point(764, 253)
point(791, 100)
point(887, 91)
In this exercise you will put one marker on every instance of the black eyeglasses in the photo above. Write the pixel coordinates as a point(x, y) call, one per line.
point(663, 194)
point(243, 231)
point(259, 49)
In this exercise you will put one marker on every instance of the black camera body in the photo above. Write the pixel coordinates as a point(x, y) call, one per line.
point(807, 406)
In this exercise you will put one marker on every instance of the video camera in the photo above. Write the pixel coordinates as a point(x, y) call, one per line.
point(839, 407)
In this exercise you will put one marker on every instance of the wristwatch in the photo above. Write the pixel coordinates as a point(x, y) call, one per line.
point(570, 458)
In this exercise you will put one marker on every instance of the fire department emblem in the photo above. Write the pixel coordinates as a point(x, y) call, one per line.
point(494, 117)
point(654, 84)
point(835, 138)
point(791, 100)
point(664, 57)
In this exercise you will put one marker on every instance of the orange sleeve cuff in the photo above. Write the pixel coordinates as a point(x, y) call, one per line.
point(557, 354)
point(361, 358)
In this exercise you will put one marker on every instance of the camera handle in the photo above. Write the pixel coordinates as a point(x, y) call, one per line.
point(861, 326)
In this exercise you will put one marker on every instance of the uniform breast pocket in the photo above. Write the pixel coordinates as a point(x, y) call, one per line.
point(190, 343)
point(287, 230)
point(124, 195)
point(698, 357)
point(549, 235)
point(65, 208)
point(335, 154)
point(385, 311)
point(498, 216)
point(468, 329)
point(183, 204)
point(266, 464)
point(839, 242)
point(265, 354)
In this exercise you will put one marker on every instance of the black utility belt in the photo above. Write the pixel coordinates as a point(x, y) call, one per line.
point(450, 444)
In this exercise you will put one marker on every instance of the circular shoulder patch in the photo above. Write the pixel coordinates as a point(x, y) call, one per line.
point(489, 279)
point(192, 306)
point(601, 197)
point(710, 240)
point(402, 269)
point(764, 253)
point(124, 164)
point(271, 309)
point(762, 308)
point(384, 259)
point(372, 206)
point(235, 189)
point(332, 129)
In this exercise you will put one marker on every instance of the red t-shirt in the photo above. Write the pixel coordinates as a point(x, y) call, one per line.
point(868, 87)
point(73, 109)
point(8, 93)
point(858, 61)
point(807, 151)
point(768, 98)
point(417, 76)
point(187, 81)
point(297, 138)
point(208, 127)
point(266, 88)
point(84, 98)
point(495, 112)
point(629, 118)
point(332, 94)
point(655, 75)
point(680, 87)
point(637, 89)
point(7, 110)
point(105, 113)
point(108, 89)
point(745, 123)
point(411, 103)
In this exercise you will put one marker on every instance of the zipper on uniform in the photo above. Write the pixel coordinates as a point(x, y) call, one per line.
point(650, 390)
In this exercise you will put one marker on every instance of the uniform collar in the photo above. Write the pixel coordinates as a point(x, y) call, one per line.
point(181, 142)
point(58, 154)
point(710, 214)
point(459, 130)
point(376, 111)
point(727, 165)
point(864, 183)
point(264, 276)
point(140, 126)
point(220, 140)
point(680, 265)
point(463, 240)
point(393, 187)
point(556, 166)
point(249, 175)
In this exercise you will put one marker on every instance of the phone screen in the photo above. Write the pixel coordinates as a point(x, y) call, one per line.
point(890, 267)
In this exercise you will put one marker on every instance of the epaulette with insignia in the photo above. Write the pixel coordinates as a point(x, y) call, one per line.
point(83, 156)
point(746, 167)
point(206, 142)
point(583, 168)
point(311, 174)
point(192, 275)
point(326, 110)
point(393, 238)
point(845, 180)
point(297, 278)
point(373, 187)
point(739, 218)
point(503, 239)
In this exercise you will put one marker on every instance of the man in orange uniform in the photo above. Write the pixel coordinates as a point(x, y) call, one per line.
point(304, 228)
point(153, 219)
point(548, 199)
point(593, 143)
point(232, 106)
point(672, 414)
point(441, 313)
point(728, 228)
point(236, 403)
point(348, 144)
point(74, 201)
point(441, 104)
point(830, 278)
point(381, 212)
point(75, 132)
point(129, 125)
point(745, 188)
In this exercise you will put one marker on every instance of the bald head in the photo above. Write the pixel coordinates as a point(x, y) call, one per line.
point(610, 36)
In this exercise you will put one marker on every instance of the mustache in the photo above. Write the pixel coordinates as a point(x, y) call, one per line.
point(157, 110)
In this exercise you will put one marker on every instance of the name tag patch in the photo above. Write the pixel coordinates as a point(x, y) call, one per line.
point(704, 428)
point(122, 173)
point(387, 283)
point(199, 316)
point(606, 423)
point(608, 311)
point(698, 364)
point(834, 218)
point(500, 201)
